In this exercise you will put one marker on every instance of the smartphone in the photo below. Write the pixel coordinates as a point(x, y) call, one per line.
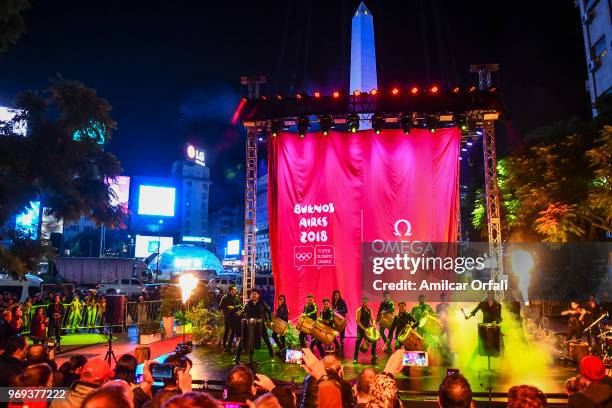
point(162, 371)
point(415, 359)
point(294, 356)
point(50, 344)
point(452, 371)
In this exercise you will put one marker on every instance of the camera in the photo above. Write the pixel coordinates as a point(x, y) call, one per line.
point(182, 349)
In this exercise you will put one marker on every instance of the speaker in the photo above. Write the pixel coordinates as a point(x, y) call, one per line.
point(116, 308)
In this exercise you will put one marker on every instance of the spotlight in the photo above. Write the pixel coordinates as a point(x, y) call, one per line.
point(479, 132)
point(493, 90)
point(299, 95)
point(472, 89)
point(317, 94)
point(395, 91)
point(302, 125)
point(357, 92)
point(378, 122)
point(468, 143)
point(414, 90)
point(455, 90)
point(406, 122)
point(336, 94)
point(279, 97)
point(374, 92)
point(275, 127)
point(260, 139)
point(353, 122)
point(463, 149)
point(326, 122)
point(434, 90)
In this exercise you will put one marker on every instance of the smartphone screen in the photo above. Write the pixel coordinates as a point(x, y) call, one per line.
point(162, 371)
point(293, 356)
point(415, 359)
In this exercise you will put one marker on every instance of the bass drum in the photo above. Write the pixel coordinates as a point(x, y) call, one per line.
point(411, 339)
point(371, 336)
point(324, 333)
point(278, 326)
point(386, 320)
point(339, 321)
point(305, 324)
point(431, 325)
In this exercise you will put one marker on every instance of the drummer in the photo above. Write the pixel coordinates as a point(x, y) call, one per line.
point(310, 310)
point(230, 302)
point(339, 305)
point(421, 311)
point(386, 306)
point(491, 309)
point(282, 312)
point(258, 309)
point(327, 318)
point(400, 321)
point(364, 321)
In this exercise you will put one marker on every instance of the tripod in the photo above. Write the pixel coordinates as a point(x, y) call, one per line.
point(110, 353)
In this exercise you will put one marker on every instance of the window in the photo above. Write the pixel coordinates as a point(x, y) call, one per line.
point(125, 281)
point(598, 50)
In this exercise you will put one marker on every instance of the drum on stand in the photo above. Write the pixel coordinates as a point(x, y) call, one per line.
point(251, 333)
point(371, 336)
point(411, 339)
point(305, 324)
point(578, 350)
point(339, 321)
point(489, 340)
point(386, 320)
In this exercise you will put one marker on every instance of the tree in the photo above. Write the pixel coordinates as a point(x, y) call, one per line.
point(12, 25)
point(68, 177)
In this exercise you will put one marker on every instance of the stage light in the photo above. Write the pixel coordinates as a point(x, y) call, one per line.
point(275, 127)
point(357, 92)
point(395, 91)
point(455, 90)
point(326, 122)
point(469, 143)
point(353, 122)
point(298, 95)
point(302, 125)
point(336, 94)
point(378, 122)
point(463, 127)
point(463, 149)
point(260, 139)
point(492, 90)
point(406, 122)
point(472, 89)
point(317, 94)
point(263, 97)
point(479, 132)
point(414, 90)
point(434, 90)
point(374, 92)
point(279, 97)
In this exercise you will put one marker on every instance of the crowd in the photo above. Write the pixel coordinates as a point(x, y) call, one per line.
point(93, 384)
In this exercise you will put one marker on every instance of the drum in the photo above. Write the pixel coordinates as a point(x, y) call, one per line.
point(430, 324)
point(386, 320)
point(489, 340)
point(142, 353)
point(578, 350)
point(251, 333)
point(339, 321)
point(305, 324)
point(278, 326)
point(371, 336)
point(411, 339)
point(323, 332)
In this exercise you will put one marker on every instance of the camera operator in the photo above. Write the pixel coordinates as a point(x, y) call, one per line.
point(181, 380)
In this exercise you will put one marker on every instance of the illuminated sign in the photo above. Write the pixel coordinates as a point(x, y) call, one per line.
point(156, 200)
point(188, 263)
point(196, 155)
point(8, 115)
point(120, 186)
point(147, 245)
point(188, 238)
point(230, 263)
point(233, 247)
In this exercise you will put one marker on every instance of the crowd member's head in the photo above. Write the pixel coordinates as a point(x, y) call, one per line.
point(575, 384)
point(77, 363)
point(96, 371)
point(363, 384)
point(240, 382)
point(455, 392)
point(383, 392)
point(192, 400)
point(592, 369)
point(16, 347)
point(521, 396)
point(281, 299)
point(40, 313)
point(332, 365)
point(443, 297)
point(286, 396)
point(39, 375)
point(125, 369)
point(109, 396)
point(491, 295)
point(161, 397)
point(267, 400)
point(37, 354)
point(7, 316)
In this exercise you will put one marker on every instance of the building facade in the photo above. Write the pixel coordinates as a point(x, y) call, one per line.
point(226, 223)
point(596, 18)
point(262, 227)
point(195, 185)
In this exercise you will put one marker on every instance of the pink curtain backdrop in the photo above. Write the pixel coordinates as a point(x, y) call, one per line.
point(359, 185)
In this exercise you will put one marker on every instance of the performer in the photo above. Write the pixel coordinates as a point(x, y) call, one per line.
point(364, 320)
point(258, 309)
point(339, 305)
point(282, 312)
point(310, 310)
point(490, 308)
point(327, 318)
point(442, 307)
point(228, 304)
point(421, 311)
point(75, 316)
point(400, 321)
point(55, 313)
point(386, 306)
point(90, 310)
point(593, 312)
point(101, 314)
point(575, 320)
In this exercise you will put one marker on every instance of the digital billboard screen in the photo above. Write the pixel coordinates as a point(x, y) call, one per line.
point(233, 247)
point(156, 200)
point(147, 245)
point(26, 222)
point(120, 186)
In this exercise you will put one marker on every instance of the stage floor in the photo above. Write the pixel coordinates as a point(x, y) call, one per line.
point(213, 364)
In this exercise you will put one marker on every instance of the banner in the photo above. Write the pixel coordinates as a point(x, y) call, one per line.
point(328, 194)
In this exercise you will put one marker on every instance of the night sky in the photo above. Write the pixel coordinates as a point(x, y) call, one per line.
point(171, 69)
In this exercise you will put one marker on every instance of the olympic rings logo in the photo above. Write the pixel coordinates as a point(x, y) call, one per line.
point(303, 257)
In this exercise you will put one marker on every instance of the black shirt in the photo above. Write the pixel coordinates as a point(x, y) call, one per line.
point(327, 316)
point(340, 307)
point(385, 307)
point(311, 311)
point(259, 310)
point(226, 301)
point(491, 312)
point(55, 313)
point(400, 322)
point(365, 318)
point(282, 312)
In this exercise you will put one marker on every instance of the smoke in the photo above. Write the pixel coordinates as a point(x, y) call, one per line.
point(522, 264)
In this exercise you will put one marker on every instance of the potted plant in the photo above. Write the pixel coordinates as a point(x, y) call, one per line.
point(171, 298)
point(149, 332)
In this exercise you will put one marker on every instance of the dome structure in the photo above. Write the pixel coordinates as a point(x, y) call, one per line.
point(184, 257)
